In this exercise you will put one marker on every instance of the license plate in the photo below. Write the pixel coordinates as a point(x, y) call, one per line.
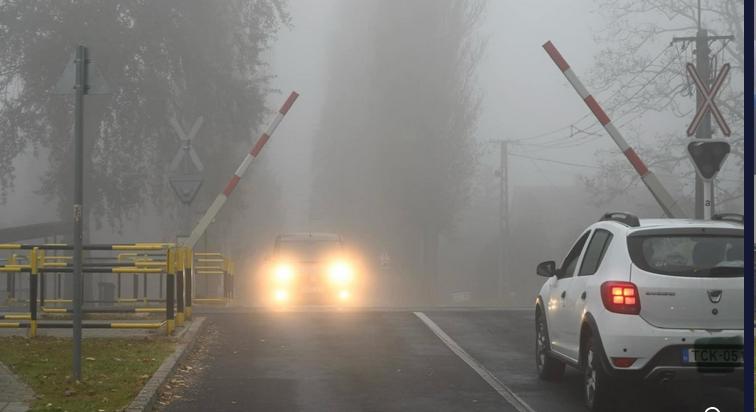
point(710, 355)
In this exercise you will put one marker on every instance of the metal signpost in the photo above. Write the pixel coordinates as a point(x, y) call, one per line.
point(185, 182)
point(708, 99)
point(80, 77)
point(708, 154)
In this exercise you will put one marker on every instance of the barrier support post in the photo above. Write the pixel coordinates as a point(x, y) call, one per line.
point(188, 272)
point(33, 258)
point(170, 319)
point(179, 286)
point(12, 279)
point(231, 275)
point(42, 286)
point(224, 279)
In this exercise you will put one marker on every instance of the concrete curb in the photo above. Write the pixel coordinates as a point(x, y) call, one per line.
point(146, 398)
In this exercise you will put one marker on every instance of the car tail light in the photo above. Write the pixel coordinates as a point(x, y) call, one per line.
point(623, 362)
point(620, 297)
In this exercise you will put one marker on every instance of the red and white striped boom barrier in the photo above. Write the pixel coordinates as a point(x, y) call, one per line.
point(219, 201)
point(665, 200)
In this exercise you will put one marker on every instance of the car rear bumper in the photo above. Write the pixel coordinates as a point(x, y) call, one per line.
point(659, 353)
point(726, 376)
point(631, 336)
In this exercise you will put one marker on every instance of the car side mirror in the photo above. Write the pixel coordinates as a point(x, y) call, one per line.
point(546, 269)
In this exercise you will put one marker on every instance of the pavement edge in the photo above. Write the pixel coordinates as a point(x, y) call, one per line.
point(145, 399)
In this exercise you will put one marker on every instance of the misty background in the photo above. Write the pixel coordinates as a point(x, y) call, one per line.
point(393, 142)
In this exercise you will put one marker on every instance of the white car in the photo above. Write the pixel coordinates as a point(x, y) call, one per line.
point(653, 300)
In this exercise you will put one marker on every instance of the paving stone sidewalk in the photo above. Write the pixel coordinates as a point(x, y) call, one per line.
point(15, 396)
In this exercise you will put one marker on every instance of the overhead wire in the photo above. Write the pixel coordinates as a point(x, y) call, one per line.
point(617, 91)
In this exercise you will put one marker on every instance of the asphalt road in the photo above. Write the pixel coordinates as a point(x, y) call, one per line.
point(391, 361)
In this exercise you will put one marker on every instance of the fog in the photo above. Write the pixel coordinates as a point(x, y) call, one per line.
point(391, 143)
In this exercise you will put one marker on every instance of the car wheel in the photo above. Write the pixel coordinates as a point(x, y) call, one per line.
point(549, 369)
point(597, 387)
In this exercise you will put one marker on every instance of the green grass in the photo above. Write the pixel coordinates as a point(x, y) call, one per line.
point(114, 370)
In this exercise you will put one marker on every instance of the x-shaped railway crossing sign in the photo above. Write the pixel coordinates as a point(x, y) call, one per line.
point(708, 95)
point(186, 144)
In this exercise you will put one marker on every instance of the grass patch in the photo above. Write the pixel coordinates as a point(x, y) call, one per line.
point(114, 370)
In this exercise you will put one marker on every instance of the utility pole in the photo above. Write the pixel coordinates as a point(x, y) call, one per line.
point(704, 190)
point(503, 174)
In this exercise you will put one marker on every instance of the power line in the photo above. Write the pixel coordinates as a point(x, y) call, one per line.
point(617, 91)
point(554, 161)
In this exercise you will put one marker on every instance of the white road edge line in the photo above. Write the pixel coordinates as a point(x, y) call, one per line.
point(481, 370)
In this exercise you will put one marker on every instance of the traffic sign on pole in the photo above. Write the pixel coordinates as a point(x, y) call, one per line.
point(95, 83)
point(708, 94)
point(186, 186)
point(186, 145)
point(80, 78)
point(708, 155)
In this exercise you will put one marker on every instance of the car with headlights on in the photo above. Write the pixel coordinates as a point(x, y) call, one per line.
point(310, 268)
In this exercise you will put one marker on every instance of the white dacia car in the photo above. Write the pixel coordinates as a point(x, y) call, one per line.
point(652, 300)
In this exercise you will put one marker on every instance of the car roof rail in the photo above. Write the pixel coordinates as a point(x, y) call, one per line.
point(625, 218)
point(729, 217)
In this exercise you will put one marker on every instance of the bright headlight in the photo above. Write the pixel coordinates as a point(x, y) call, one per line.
point(340, 273)
point(284, 273)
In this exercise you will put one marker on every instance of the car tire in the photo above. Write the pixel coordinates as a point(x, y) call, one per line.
point(598, 390)
point(549, 368)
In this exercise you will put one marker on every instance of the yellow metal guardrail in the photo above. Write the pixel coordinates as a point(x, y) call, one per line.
point(176, 265)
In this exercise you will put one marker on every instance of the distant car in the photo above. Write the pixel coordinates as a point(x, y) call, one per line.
point(311, 268)
point(657, 300)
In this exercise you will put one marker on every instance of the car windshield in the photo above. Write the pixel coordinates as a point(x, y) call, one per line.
point(307, 250)
point(690, 256)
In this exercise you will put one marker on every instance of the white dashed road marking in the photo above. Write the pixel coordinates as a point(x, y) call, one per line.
point(481, 370)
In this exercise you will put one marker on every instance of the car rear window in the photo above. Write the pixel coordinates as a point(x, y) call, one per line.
point(689, 255)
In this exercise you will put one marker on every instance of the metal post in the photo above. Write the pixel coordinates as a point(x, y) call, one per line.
point(12, 279)
point(42, 289)
point(78, 207)
point(188, 273)
point(135, 286)
point(170, 293)
point(33, 292)
point(180, 288)
point(703, 191)
point(708, 200)
point(8, 285)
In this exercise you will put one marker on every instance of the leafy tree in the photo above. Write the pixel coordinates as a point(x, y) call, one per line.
point(395, 147)
point(161, 59)
point(646, 73)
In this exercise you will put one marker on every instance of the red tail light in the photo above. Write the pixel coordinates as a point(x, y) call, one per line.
point(620, 297)
point(623, 362)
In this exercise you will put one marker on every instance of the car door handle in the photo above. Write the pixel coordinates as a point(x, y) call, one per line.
point(564, 293)
point(582, 296)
